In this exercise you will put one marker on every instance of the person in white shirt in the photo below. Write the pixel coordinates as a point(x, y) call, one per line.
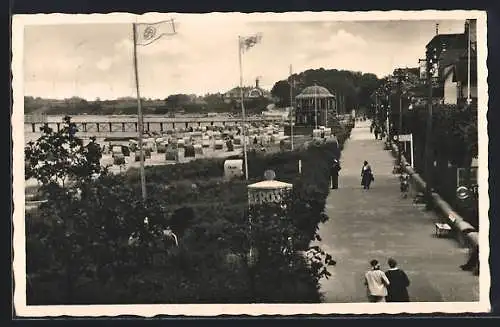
point(376, 283)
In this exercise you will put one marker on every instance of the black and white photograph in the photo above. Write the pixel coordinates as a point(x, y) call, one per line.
point(261, 163)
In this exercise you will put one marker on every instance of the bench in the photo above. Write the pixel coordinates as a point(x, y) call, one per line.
point(442, 229)
point(419, 198)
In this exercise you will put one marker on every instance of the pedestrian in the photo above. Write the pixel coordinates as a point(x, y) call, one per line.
point(398, 282)
point(377, 131)
point(366, 176)
point(472, 263)
point(382, 134)
point(376, 283)
point(334, 174)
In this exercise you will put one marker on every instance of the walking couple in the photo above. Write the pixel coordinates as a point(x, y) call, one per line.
point(389, 286)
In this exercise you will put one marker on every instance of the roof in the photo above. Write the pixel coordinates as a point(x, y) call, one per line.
point(270, 185)
point(460, 72)
point(315, 91)
point(449, 57)
point(249, 91)
point(449, 40)
point(457, 59)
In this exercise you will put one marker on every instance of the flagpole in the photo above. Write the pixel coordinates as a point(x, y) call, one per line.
point(140, 121)
point(291, 107)
point(243, 110)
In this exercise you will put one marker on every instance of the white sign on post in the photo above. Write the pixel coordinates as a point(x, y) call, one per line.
point(407, 138)
point(404, 138)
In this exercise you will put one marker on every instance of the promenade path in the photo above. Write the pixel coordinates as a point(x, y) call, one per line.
point(378, 224)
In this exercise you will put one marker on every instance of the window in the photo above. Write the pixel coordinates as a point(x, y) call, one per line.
point(461, 176)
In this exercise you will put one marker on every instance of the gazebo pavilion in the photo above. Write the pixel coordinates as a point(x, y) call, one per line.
point(314, 104)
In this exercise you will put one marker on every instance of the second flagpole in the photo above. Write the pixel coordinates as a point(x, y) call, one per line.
point(243, 118)
point(140, 121)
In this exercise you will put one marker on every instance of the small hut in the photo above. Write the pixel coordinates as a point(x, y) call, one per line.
point(233, 168)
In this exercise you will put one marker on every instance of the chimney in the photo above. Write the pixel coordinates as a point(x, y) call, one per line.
point(257, 83)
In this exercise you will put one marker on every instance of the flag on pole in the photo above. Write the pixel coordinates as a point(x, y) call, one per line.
point(247, 42)
point(147, 33)
point(144, 34)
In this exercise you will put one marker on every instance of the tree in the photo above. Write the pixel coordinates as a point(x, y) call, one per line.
point(82, 232)
point(281, 90)
point(355, 87)
point(177, 101)
point(59, 157)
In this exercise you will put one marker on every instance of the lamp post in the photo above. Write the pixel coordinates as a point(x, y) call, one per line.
point(401, 76)
point(432, 73)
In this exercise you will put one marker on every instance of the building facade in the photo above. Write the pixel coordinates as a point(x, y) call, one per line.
point(249, 92)
point(449, 53)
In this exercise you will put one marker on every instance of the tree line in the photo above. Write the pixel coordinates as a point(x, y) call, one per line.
point(175, 103)
point(355, 87)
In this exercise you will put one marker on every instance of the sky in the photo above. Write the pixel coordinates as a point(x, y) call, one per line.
point(95, 60)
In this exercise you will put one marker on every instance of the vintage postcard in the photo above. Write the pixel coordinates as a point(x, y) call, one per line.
point(258, 164)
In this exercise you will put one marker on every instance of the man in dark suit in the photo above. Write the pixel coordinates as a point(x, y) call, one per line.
point(397, 290)
point(334, 174)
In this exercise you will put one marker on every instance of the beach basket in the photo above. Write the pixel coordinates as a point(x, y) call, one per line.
point(189, 151)
point(198, 149)
point(218, 145)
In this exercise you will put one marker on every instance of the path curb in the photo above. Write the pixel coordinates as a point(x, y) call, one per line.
point(465, 232)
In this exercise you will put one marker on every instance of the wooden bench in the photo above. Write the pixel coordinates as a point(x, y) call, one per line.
point(419, 198)
point(442, 229)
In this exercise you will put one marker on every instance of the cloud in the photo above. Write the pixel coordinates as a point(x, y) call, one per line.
point(348, 40)
point(105, 63)
point(342, 41)
point(96, 59)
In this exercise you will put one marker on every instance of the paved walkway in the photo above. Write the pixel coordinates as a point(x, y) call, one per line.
point(377, 224)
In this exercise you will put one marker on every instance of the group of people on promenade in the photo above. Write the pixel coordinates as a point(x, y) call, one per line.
point(378, 131)
point(389, 286)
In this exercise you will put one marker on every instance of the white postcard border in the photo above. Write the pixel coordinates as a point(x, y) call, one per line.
point(19, 266)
